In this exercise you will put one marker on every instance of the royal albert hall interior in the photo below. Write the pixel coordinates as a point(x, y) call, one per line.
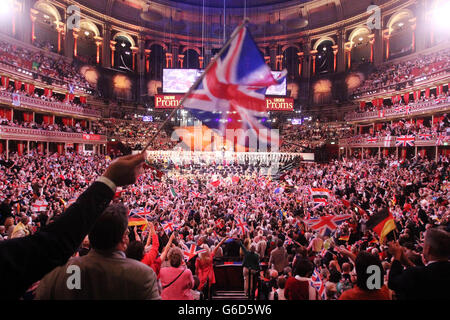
point(224, 150)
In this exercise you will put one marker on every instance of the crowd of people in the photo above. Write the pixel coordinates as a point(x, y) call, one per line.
point(390, 74)
point(311, 135)
point(42, 64)
point(184, 220)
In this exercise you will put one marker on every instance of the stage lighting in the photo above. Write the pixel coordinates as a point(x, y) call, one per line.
point(7, 9)
point(440, 17)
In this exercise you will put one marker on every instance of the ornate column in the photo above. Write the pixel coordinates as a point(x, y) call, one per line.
point(335, 51)
point(279, 63)
point(75, 41)
point(300, 63)
point(134, 51)
point(348, 53)
point(98, 43)
point(386, 37)
point(413, 35)
point(181, 60)
point(33, 17)
point(267, 60)
point(60, 29)
point(112, 46)
point(313, 57)
point(372, 42)
point(106, 52)
point(147, 60)
point(200, 61)
point(169, 60)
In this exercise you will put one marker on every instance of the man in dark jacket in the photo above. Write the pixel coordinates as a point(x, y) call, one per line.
point(429, 282)
point(23, 261)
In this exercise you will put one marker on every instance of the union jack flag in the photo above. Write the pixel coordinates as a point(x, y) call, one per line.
point(404, 141)
point(327, 224)
point(231, 95)
point(323, 252)
point(387, 141)
point(288, 241)
point(440, 140)
point(317, 283)
point(242, 225)
point(168, 226)
point(423, 136)
point(191, 251)
point(380, 113)
point(371, 140)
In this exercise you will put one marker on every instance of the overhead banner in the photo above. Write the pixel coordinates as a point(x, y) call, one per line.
point(91, 137)
point(171, 101)
point(279, 104)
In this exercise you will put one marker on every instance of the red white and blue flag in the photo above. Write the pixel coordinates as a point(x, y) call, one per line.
point(242, 225)
point(191, 251)
point(404, 141)
point(317, 283)
point(326, 225)
point(231, 95)
point(168, 226)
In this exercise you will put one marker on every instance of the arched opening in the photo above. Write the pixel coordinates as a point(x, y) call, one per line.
point(87, 49)
point(325, 57)
point(157, 61)
point(401, 40)
point(123, 56)
point(290, 62)
point(47, 19)
point(191, 59)
point(361, 47)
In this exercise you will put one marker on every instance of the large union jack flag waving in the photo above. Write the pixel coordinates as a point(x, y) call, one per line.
point(326, 225)
point(231, 95)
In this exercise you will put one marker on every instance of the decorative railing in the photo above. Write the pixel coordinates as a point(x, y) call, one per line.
point(411, 109)
point(47, 106)
point(26, 134)
point(385, 142)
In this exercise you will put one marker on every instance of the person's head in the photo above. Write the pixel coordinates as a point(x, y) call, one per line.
point(346, 267)
point(25, 220)
point(436, 245)
point(303, 268)
point(279, 243)
point(281, 282)
point(135, 250)
point(85, 243)
point(175, 257)
point(110, 232)
point(363, 261)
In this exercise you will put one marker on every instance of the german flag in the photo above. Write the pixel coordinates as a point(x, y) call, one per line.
point(382, 223)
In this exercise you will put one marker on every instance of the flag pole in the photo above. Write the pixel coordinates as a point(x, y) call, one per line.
point(200, 79)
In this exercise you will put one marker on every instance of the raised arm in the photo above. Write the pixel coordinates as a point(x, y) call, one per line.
point(218, 246)
point(24, 261)
point(167, 247)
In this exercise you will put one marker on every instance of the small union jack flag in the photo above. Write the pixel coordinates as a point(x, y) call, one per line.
point(440, 140)
point(372, 140)
point(288, 241)
point(317, 283)
point(327, 224)
point(168, 226)
point(191, 251)
point(242, 225)
point(404, 141)
point(423, 136)
point(196, 194)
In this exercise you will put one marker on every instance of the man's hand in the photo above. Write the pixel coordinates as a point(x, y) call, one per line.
point(124, 170)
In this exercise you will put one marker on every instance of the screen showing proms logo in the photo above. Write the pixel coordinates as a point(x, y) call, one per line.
point(181, 80)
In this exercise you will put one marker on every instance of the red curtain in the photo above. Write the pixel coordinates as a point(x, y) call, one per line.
point(439, 90)
point(27, 116)
point(419, 122)
point(78, 147)
point(427, 92)
point(60, 148)
point(20, 147)
point(48, 92)
point(1, 147)
point(47, 119)
point(83, 100)
point(83, 123)
point(69, 97)
point(378, 126)
point(17, 84)
point(5, 82)
point(40, 147)
point(406, 97)
point(6, 113)
point(31, 89)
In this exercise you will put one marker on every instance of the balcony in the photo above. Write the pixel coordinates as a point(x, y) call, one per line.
point(26, 134)
point(363, 142)
point(49, 107)
point(431, 106)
